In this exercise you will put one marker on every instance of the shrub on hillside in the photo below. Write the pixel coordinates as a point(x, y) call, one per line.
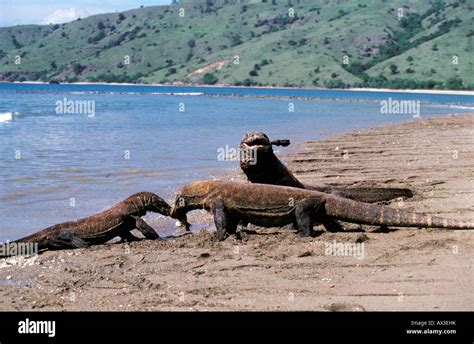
point(209, 79)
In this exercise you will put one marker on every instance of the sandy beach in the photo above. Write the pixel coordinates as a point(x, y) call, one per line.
point(276, 270)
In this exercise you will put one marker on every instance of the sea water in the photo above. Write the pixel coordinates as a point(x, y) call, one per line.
point(58, 165)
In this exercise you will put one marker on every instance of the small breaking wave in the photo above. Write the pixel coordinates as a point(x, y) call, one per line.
point(8, 116)
point(178, 93)
point(462, 107)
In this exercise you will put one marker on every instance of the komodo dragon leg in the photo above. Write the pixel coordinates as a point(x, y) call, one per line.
point(307, 213)
point(310, 212)
point(145, 228)
point(330, 224)
point(223, 220)
point(64, 240)
point(128, 237)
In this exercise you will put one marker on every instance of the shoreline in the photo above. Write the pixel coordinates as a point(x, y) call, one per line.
point(382, 90)
point(276, 270)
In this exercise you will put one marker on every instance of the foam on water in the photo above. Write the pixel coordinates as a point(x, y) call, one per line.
point(7, 116)
point(461, 107)
point(57, 167)
point(178, 93)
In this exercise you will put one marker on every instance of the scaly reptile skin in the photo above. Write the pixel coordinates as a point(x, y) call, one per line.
point(274, 206)
point(268, 169)
point(99, 228)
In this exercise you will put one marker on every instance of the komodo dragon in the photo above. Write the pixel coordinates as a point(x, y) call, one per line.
point(274, 206)
point(263, 166)
point(100, 228)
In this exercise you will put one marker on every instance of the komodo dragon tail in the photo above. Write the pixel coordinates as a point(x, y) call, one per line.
point(364, 194)
point(371, 214)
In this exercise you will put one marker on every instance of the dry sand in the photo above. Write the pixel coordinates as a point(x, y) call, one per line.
point(275, 269)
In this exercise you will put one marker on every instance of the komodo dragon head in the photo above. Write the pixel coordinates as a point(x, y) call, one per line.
point(148, 201)
point(260, 145)
point(190, 197)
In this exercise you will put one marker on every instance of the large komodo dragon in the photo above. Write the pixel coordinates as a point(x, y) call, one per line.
point(274, 206)
point(263, 166)
point(102, 227)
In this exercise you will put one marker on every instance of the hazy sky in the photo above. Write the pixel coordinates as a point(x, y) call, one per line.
point(13, 12)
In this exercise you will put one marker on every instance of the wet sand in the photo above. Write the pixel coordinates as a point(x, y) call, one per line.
point(275, 269)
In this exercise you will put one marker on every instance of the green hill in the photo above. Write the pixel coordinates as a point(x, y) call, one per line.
point(255, 42)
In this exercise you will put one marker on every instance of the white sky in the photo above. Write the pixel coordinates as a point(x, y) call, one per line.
point(14, 12)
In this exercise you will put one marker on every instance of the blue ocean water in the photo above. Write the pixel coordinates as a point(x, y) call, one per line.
point(56, 167)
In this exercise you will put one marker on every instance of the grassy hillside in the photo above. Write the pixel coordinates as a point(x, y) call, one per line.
point(255, 42)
